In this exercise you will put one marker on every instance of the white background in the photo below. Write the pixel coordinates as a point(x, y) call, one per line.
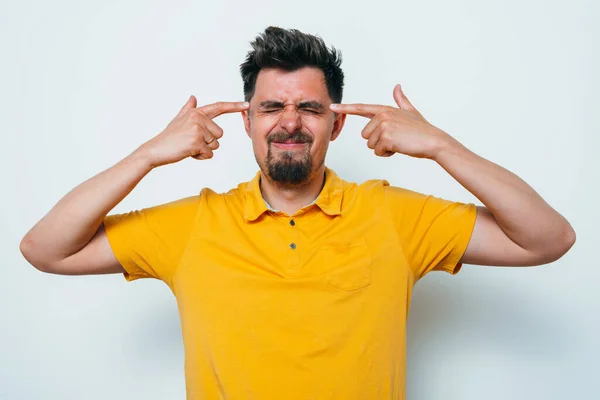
point(82, 84)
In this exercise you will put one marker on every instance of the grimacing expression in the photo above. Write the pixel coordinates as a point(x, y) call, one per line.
point(290, 123)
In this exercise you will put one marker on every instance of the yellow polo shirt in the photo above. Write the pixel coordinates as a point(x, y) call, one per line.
point(308, 306)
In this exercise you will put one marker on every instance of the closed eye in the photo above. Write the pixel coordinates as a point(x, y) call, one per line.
point(311, 111)
point(307, 107)
point(270, 111)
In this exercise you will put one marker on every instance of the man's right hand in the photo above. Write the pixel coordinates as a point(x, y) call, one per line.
point(192, 133)
point(70, 239)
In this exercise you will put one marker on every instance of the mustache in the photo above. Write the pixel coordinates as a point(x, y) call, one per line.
point(296, 137)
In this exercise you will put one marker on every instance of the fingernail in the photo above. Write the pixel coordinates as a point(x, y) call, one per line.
point(334, 106)
point(246, 104)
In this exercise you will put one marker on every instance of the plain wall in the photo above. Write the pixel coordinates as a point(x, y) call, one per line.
point(84, 84)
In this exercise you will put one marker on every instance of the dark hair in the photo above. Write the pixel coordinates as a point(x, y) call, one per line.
point(290, 49)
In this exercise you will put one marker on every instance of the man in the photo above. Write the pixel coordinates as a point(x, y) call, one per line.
point(297, 284)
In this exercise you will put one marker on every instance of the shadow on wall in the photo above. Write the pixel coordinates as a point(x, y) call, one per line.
point(450, 326)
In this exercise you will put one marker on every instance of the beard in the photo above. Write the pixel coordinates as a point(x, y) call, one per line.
point(288, 168)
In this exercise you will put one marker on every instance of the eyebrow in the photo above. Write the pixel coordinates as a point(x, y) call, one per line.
point(304, 104)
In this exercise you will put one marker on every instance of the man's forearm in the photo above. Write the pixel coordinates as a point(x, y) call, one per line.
point(518, 209)
point(74, 220)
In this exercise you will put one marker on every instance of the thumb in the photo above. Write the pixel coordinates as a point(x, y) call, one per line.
point(191, 103)
point(401, 99)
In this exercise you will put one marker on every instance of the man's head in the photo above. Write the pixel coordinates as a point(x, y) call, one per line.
point(290, 79)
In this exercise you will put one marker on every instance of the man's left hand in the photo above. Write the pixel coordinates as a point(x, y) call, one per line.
point(397, 130)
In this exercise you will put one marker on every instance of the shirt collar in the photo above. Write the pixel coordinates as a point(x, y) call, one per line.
point(329, 200)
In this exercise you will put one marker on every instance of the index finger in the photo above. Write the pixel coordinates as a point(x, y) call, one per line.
point(364, 110)
point(223, 107)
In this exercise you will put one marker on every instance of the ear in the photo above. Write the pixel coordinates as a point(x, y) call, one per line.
point(246, 118)
point(338, 124)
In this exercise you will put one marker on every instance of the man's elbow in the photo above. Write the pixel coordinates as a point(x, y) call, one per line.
point(569, 238)
point(27, 249)
point(560, 246)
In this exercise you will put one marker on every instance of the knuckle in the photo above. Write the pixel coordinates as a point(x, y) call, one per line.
point(195, 142)
point(195, 117)
point(217, 131)
point(384, 116)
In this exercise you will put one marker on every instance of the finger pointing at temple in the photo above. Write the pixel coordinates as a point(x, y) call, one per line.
point(364, 110)
point(223, 107)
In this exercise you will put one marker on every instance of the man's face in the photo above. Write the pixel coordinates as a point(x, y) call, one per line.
point(290, 123)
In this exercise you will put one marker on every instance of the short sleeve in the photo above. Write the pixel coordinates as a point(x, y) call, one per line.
point(434, 232)
point(150, 242)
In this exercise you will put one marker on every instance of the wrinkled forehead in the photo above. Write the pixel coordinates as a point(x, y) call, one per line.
point(291, 87)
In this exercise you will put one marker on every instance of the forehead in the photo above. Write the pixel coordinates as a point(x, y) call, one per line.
point(306, 83)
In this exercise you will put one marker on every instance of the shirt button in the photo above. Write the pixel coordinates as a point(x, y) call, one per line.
point(292, 222)
point(293, 246)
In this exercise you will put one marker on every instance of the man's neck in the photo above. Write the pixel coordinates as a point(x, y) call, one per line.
point(291, 198)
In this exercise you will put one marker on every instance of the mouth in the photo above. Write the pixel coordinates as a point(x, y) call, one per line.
point(289, 145)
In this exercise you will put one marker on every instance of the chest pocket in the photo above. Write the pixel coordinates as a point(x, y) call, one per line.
point(349, 265)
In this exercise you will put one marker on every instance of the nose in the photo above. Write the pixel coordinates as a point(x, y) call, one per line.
point(290, 119)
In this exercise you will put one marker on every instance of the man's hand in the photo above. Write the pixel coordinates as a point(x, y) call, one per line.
point(192, 133)
point(516, 226)
point(397, 130)
point(71, 239)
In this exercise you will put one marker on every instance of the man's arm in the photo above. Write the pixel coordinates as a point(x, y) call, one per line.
point(70, 239)
point(517, 227)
